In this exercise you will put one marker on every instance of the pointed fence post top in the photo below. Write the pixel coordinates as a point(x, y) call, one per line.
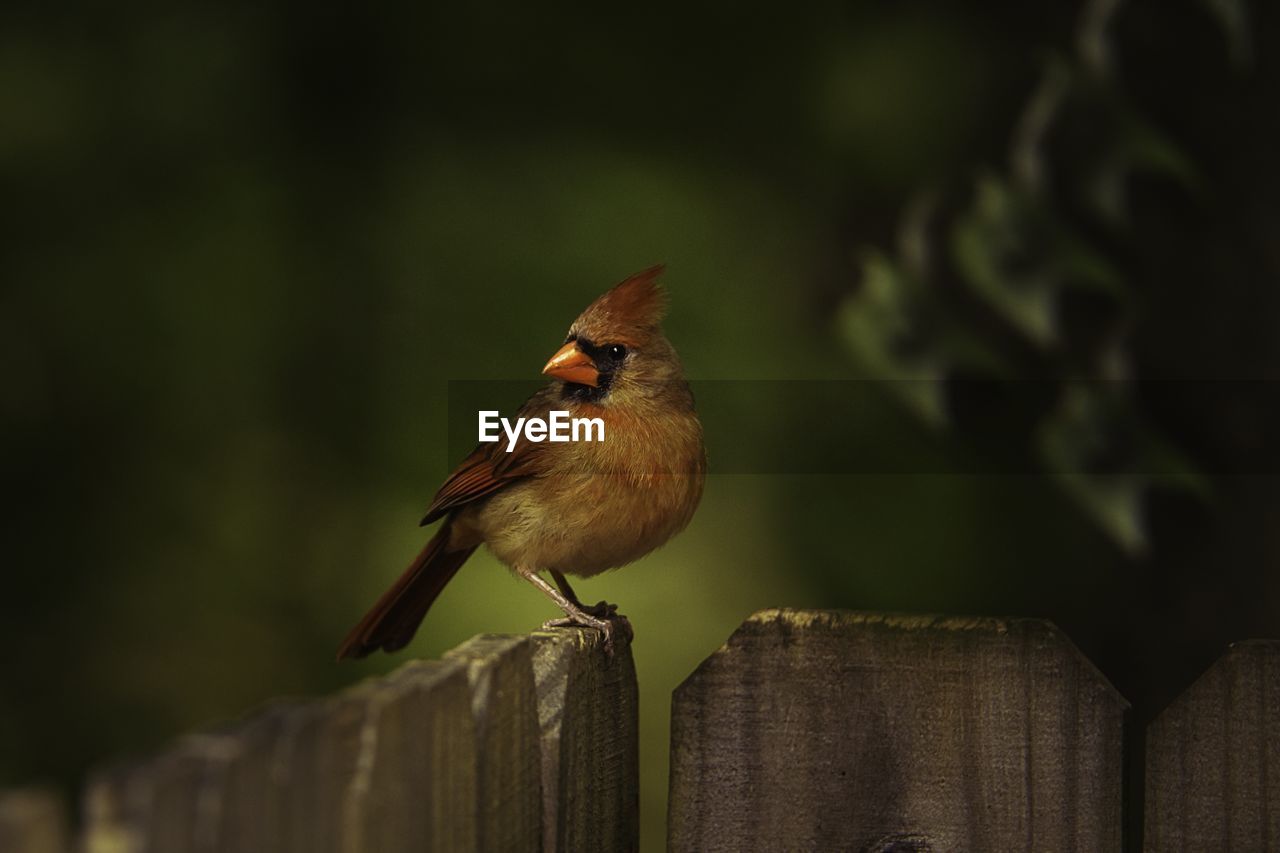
point(1213, 757)
point(806, 628)
point(826, 729)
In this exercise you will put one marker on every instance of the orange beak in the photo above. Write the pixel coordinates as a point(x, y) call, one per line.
point(573, 365)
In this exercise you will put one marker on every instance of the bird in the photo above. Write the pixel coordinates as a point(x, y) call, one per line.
point(577, 508)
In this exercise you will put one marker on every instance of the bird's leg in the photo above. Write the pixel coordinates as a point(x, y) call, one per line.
point(574, 613)
point(602, 609)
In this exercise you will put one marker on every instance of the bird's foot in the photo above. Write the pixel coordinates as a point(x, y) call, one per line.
point(603, 617)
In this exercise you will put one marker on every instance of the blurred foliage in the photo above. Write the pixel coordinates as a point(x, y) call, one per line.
point(1017, 244)
point(246, 250)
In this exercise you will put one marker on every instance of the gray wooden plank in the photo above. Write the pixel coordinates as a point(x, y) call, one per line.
point(825, 730)
point(33, 820)
point(186, 794)
point(508, 753)
point(208, 792)
point(387, 765)
point(588, 710)
point(116, 805)
point(417, 770)
point(250, 812)
point(1213, 758)
point(384, 766)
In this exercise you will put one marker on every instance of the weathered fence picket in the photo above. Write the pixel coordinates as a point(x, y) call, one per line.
point(417, 782)
point(825, 730)
point(1213, 759)
point(507, 760)
point(588, 709)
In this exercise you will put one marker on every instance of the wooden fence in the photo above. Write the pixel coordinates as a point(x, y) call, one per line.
point(807, 730)
point(508, 743)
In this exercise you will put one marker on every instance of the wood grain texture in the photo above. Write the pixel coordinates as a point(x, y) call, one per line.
point(508, 752)
point(588, 711)
point(825, 730)
point(33, 820)
point(388, 765)
point(1213, 759)
point(416, 774)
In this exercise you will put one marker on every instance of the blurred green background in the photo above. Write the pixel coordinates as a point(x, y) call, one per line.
point(246, 250)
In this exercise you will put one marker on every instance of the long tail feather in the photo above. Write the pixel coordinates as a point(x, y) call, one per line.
point(392, 621)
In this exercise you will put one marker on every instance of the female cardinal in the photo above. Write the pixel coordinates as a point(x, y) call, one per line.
point(574, 508)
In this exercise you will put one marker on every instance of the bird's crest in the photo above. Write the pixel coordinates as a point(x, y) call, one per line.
point(629, 312)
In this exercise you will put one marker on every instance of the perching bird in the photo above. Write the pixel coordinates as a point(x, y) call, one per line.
point(575, 508)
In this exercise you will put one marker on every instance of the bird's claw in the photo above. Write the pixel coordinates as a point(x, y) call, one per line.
point(590, 617)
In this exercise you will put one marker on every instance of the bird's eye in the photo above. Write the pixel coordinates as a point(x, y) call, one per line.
point(617, 352)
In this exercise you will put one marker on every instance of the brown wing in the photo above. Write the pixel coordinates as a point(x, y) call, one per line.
point(490, 467)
